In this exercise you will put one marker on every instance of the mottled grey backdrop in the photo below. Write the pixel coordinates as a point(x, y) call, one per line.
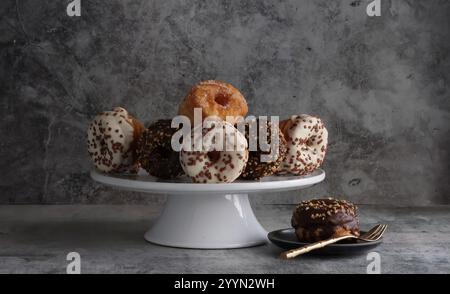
point(381, 84)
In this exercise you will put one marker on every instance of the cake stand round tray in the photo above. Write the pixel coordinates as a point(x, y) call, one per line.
point(207, 216)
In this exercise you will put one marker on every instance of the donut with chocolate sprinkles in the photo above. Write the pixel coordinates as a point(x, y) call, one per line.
point(222, 157)
point(263, 163)
point(155, 153)
point(320, 219)
point(307, 140)
point(111, 141)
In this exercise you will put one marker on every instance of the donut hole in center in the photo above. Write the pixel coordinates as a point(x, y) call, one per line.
point(213, 156)
point(222, 99)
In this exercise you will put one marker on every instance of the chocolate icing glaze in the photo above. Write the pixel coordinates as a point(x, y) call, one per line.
point(255, 169)
point(155, 153)
point(320, 219)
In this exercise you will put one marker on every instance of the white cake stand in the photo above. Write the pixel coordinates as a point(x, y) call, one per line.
point(208, 216)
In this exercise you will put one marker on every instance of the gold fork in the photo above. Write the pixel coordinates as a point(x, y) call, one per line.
point(373, 234)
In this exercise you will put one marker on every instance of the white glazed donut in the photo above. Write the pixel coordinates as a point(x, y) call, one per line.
point(212, 164)
point(111, 137)
point(307, 140)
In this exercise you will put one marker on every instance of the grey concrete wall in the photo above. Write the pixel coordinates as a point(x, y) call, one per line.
point(380, 83)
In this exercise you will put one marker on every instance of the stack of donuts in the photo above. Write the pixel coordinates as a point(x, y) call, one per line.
point(118, 142)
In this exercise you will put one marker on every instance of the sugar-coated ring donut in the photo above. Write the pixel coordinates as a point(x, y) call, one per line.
point(256, 168)
point(111, 140)
point(215, 98)
point(307, 140)
point(216, 166)
point(155, 153)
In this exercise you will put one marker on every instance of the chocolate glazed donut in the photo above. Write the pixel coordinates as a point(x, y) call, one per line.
point(255, 168)
point(155, 153)
point(320, 219)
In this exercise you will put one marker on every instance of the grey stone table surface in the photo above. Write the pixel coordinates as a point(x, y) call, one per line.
point(37, 239)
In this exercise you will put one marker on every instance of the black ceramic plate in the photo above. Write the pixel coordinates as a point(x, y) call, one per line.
point(287, 239)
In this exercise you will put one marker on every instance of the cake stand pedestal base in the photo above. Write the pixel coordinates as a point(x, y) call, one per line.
point(206, 216)
point(207, 222)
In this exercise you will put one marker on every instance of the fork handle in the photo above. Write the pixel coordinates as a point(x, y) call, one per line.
point(298, 251)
